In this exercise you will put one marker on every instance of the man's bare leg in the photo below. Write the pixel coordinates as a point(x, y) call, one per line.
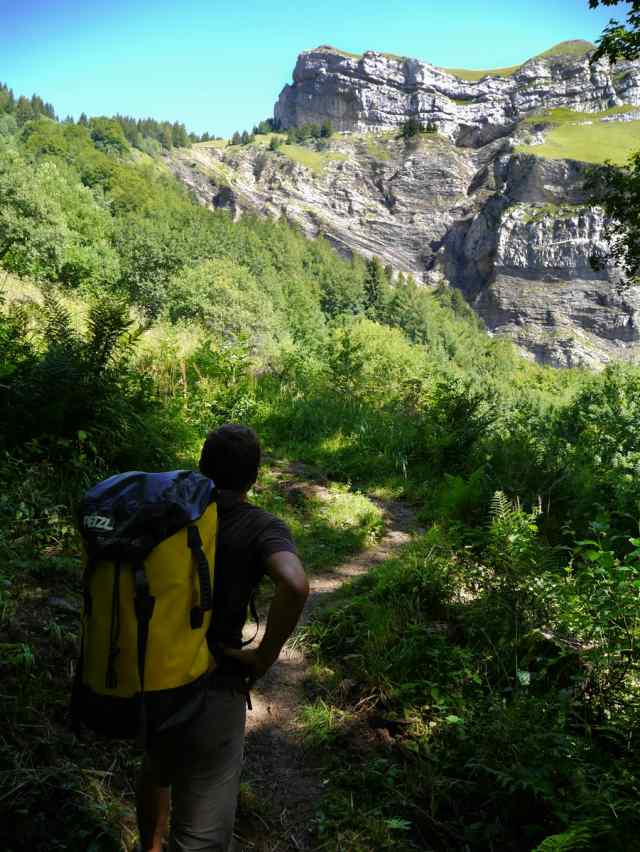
point(152, 808)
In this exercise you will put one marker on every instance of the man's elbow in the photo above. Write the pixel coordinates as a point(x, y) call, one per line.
point(296, 585)
point(287, 571)
point(301, 587)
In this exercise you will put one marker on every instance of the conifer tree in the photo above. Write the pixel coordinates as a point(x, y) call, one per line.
point(166, 138)
point(326, 129)
point(376, 288)
point(24, 111)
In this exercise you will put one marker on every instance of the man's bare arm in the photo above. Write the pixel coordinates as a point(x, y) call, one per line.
point(292, 588)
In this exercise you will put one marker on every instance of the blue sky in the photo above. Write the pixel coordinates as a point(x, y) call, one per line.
point(220, 66)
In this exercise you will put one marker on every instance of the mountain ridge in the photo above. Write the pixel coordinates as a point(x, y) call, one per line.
point(471, 206)
point(567, 47)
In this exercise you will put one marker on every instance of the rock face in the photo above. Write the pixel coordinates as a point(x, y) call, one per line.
point(377, 92)
point(513, 231)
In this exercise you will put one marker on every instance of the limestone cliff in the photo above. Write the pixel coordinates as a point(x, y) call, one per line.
point(462, 206)
point(376, 91)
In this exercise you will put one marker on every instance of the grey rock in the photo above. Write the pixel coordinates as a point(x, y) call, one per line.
point(511, 230)
point(378, 92)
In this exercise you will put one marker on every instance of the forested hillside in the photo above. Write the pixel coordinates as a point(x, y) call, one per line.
point(498, 651)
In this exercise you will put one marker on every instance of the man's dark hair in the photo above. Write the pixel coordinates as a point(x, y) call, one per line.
point(231, 457)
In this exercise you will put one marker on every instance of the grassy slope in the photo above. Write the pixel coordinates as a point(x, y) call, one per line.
point(473, 74)
point(316, 161)
point(569, 138)
point(564, 48)
point(576, 47)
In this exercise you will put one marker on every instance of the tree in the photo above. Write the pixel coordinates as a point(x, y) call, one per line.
point(275, 143)
point(617, 189)
point(7, 100)
point(24, 111)
point(326, 129)
point(166, 138)
point(410, 128)
point(236, 139)
point(179, 135)
point(376, 287)
point(107, 135)
point(619, 41)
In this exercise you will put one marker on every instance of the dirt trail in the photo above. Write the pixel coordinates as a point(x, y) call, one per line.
point(276, 764)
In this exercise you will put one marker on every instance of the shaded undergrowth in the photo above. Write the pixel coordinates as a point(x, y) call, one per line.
point(57, 792)
point(453, 707)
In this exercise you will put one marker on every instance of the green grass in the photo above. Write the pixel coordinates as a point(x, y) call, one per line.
point(564, 115)
point(591, 143)
point(263, 140)
point(564, 48)
point(376, 150)
point(538, 212)
point(328, 525)
point(212, 143)
point(327, 48)
point(315, 161)
point(474, 75)
point(576, 47)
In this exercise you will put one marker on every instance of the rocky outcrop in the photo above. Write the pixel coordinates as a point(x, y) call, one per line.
point(462, 207)
point(376, 91)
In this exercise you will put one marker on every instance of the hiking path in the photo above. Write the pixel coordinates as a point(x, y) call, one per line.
point(283, 779)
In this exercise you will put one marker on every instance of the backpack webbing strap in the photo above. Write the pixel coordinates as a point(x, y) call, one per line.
point(194, 542)
point(144, 603)
point(254, 615)
point(86, 582)
point(111, 678)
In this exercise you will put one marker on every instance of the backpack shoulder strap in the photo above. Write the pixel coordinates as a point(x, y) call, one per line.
point(194, 542)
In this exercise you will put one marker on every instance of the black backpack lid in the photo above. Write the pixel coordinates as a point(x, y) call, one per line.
point(127, 515)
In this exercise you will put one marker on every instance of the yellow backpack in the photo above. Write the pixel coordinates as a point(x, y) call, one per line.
point(149, 547)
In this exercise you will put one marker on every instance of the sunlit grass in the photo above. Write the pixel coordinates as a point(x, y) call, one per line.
point(328, 524)
point(315, 161)
point(472, 74)
point(615, 141)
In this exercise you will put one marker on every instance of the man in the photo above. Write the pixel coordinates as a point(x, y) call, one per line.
point(196, 768)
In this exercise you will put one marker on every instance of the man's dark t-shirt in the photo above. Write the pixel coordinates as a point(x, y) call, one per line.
point(247, 536)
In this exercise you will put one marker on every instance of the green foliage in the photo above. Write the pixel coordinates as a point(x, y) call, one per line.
point(498, 652)
point(410, 128)
point(376, 289)
point(226, 299)
point(299, 135)
point(617, 190)
point(52, 227)
point(619, 41)
point(107, 135)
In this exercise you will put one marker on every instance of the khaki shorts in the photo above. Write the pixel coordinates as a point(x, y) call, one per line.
point(201, 762)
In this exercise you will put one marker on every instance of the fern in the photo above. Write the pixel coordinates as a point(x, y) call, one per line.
point(579, 837)
point(501, 507)
point(107, 322)
point(58, 330)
